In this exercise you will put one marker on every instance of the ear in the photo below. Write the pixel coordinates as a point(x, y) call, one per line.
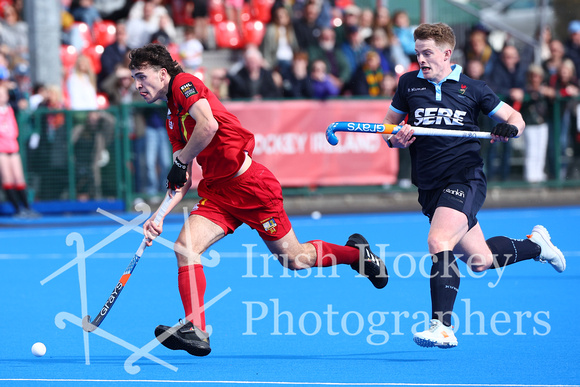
point(448, 54)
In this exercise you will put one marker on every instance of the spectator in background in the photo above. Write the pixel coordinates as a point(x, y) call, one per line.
point(233, 10)
point(306, 28)
point(478, 47)
point(49, 163)
point(253, 80)
point(535, 113)
point(84, 11)
point(162, 35)
point(90, 140)
point(336, 62)
point(565, 84)
point(279, 43)
point(13, 33)
point(368, 77)
point(350, 18)
point(82, 85)
point(572, 45)
point(11, 171)
point(382, 20)
point(366, 23)
point(379, 43)
point(144, 24)
point(354, 48)
point(557, 55)
point(198, 9)
point(114, 54)
point(191, 50)
point(298, 84)
point(218, 83)
point(404, 33)
point(157, 150)
point(323, 86)
point(139, 10)
point(506, 79)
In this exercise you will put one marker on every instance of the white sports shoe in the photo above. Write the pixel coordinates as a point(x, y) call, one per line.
point(438, 335)
point(549, 253)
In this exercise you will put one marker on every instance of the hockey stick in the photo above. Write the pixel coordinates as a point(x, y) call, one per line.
point(89, 325)
point(364, 127)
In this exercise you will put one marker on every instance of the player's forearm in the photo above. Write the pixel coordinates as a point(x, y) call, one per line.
point(199, 140)
point(517, 120)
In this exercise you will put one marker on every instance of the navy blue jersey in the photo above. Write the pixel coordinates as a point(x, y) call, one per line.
point(454, 103)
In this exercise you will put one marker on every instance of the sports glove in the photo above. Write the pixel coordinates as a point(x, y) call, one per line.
point(505, 130)
point(177, 175)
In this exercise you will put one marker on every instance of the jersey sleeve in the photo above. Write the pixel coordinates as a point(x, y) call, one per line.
point(489, 101)
point(187, 90)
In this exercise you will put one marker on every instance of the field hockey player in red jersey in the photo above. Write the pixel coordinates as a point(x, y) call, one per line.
point(235, 189)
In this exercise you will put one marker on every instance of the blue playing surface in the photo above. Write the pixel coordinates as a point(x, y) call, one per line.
point(273, 326)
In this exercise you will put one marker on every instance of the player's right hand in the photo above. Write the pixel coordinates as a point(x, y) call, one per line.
point(177, 176)
point(151, 230)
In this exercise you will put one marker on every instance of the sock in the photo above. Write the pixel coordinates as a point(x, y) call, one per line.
point(444, 286)
point(21, 194)
point(11, 196)
point(329, 254)
point(507, 251)
point(191, 281)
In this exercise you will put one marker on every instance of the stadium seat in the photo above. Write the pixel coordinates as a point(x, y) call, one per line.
point(227, 35)
point(94, 52)
point(254, 31)
point(84, 32)
point(104, 32)
point(217, 11)
point(102, 101)
point(262, 10)
point(68, 57)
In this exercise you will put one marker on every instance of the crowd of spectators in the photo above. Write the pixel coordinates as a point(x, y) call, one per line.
point(308, 49)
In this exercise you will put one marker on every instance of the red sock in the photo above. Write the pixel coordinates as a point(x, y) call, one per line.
point(191, 281)
point(329, 254)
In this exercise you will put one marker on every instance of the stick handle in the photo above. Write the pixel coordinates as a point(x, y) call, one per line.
point(364, 127)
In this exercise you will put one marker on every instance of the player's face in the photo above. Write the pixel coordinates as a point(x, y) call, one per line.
point(433, 61)
point(151, 84)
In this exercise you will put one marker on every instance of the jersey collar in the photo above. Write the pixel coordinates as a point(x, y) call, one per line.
point(456, 71)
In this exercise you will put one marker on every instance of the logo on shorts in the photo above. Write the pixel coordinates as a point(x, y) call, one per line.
point(270, 225)
point(456, 192)
point(200, 203)
point(188, 89)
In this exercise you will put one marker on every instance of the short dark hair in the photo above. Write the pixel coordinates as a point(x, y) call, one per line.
point(441, 34)
point(156, 56)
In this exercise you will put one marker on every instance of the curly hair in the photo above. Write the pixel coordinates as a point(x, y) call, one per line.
point(440, 33)
point(156, 56)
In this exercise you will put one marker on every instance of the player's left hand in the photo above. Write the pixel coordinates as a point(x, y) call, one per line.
point(503, 132)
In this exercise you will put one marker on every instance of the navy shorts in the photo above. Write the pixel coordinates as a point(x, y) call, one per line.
point(464, 192)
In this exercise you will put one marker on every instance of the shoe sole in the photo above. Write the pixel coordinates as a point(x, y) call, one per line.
point(378, 280)
point(545, 235)
point(195, 348)
point(430, 344)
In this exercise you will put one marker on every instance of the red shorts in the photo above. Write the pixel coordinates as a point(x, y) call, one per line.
point(253, 198)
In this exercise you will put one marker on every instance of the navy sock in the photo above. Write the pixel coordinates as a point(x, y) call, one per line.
point(507, 251)
point(444, 283)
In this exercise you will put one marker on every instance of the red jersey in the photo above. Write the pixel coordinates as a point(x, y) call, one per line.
point(225, 154)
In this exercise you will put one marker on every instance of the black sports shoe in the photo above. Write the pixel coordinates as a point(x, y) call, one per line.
point(369, 265)
point(187, 337)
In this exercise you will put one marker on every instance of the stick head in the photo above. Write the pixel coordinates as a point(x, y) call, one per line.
point(330, 136)
point(87, 326)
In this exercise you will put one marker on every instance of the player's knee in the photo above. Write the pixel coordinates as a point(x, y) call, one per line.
point(437, 244)
point(185, 256)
